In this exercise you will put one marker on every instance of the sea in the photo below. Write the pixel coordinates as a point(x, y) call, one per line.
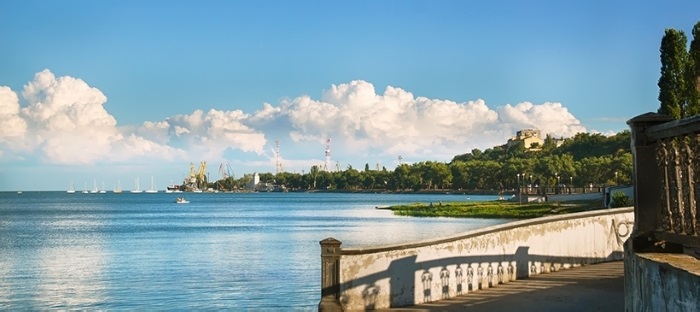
point(221, 251)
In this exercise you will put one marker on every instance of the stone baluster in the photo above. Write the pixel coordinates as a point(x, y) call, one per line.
point(330, 275)
point(647, 179)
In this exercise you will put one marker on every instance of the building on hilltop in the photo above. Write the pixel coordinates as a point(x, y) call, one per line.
point(530, 138)
point(558, 142)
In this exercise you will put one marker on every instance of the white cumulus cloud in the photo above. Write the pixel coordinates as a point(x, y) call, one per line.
point(395, 122)
point(64, 121)
point(13, 126)
point(551, 118)
point(206, 135)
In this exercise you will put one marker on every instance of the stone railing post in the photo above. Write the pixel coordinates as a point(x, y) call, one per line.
point(330, 275)
point(647, 178)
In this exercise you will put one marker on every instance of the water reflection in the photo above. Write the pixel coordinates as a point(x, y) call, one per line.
point(222, 251)
point(6, 269)
point(71, 262)
point(71, 276)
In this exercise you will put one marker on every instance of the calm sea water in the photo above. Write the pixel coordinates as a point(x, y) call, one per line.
point(244, 251)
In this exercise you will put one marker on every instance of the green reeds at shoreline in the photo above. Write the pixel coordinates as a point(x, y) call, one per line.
point(491, 209)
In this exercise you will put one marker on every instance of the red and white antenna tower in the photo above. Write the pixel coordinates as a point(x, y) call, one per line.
point(327, 165)
point(278, 163)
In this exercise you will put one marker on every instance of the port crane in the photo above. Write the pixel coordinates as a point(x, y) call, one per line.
point(197, 180)
point(226, 171)
point(202, 175)
point(227, 177)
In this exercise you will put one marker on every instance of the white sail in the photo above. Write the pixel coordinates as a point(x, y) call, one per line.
point(153, 187)
point(94, 186)
point(118, 188)
point(137, 187)
point(71, 189)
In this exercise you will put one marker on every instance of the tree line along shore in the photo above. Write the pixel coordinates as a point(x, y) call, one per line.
point(587, 159)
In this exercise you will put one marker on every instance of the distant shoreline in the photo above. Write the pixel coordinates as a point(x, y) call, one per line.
point(432, 192)
point(428, 192)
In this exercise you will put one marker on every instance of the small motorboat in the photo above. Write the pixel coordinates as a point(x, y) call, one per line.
point(182, 200)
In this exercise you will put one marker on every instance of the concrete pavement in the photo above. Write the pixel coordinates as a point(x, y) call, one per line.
point(596, 287)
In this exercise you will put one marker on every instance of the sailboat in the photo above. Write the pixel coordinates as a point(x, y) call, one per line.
point(94, 187)
point(71, 189)
point(118, 188)
point(153, 188)
point(137, 188)
point(102, 191)
point(85, 191)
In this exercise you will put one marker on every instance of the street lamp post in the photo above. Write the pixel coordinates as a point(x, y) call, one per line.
point(521, 186)
point(519, 198)
point(571, 184)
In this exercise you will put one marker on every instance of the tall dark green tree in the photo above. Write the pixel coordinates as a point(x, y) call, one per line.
point(693, 74)
point(672, 94)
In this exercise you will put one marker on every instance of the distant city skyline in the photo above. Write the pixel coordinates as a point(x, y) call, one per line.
point(119, 90)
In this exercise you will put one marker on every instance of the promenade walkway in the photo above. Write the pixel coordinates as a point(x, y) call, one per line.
point(596, 287)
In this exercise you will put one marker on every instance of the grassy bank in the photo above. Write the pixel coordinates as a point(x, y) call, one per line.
point(492, 209)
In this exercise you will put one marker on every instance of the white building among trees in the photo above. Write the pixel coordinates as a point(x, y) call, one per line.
point(530, 138)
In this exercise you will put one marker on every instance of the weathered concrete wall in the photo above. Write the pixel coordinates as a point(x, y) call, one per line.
point(400, 275)
point(661, 282)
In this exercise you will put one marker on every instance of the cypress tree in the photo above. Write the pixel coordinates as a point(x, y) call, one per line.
point(693, 74)
point(672, 95)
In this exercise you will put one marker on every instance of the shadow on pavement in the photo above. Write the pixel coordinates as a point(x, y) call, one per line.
point(596, 287)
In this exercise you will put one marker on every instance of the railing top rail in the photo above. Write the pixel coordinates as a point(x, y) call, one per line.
point(674, 128)
point(482, 231)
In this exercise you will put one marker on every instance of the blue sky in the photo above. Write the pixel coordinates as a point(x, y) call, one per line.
point(107, 90)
